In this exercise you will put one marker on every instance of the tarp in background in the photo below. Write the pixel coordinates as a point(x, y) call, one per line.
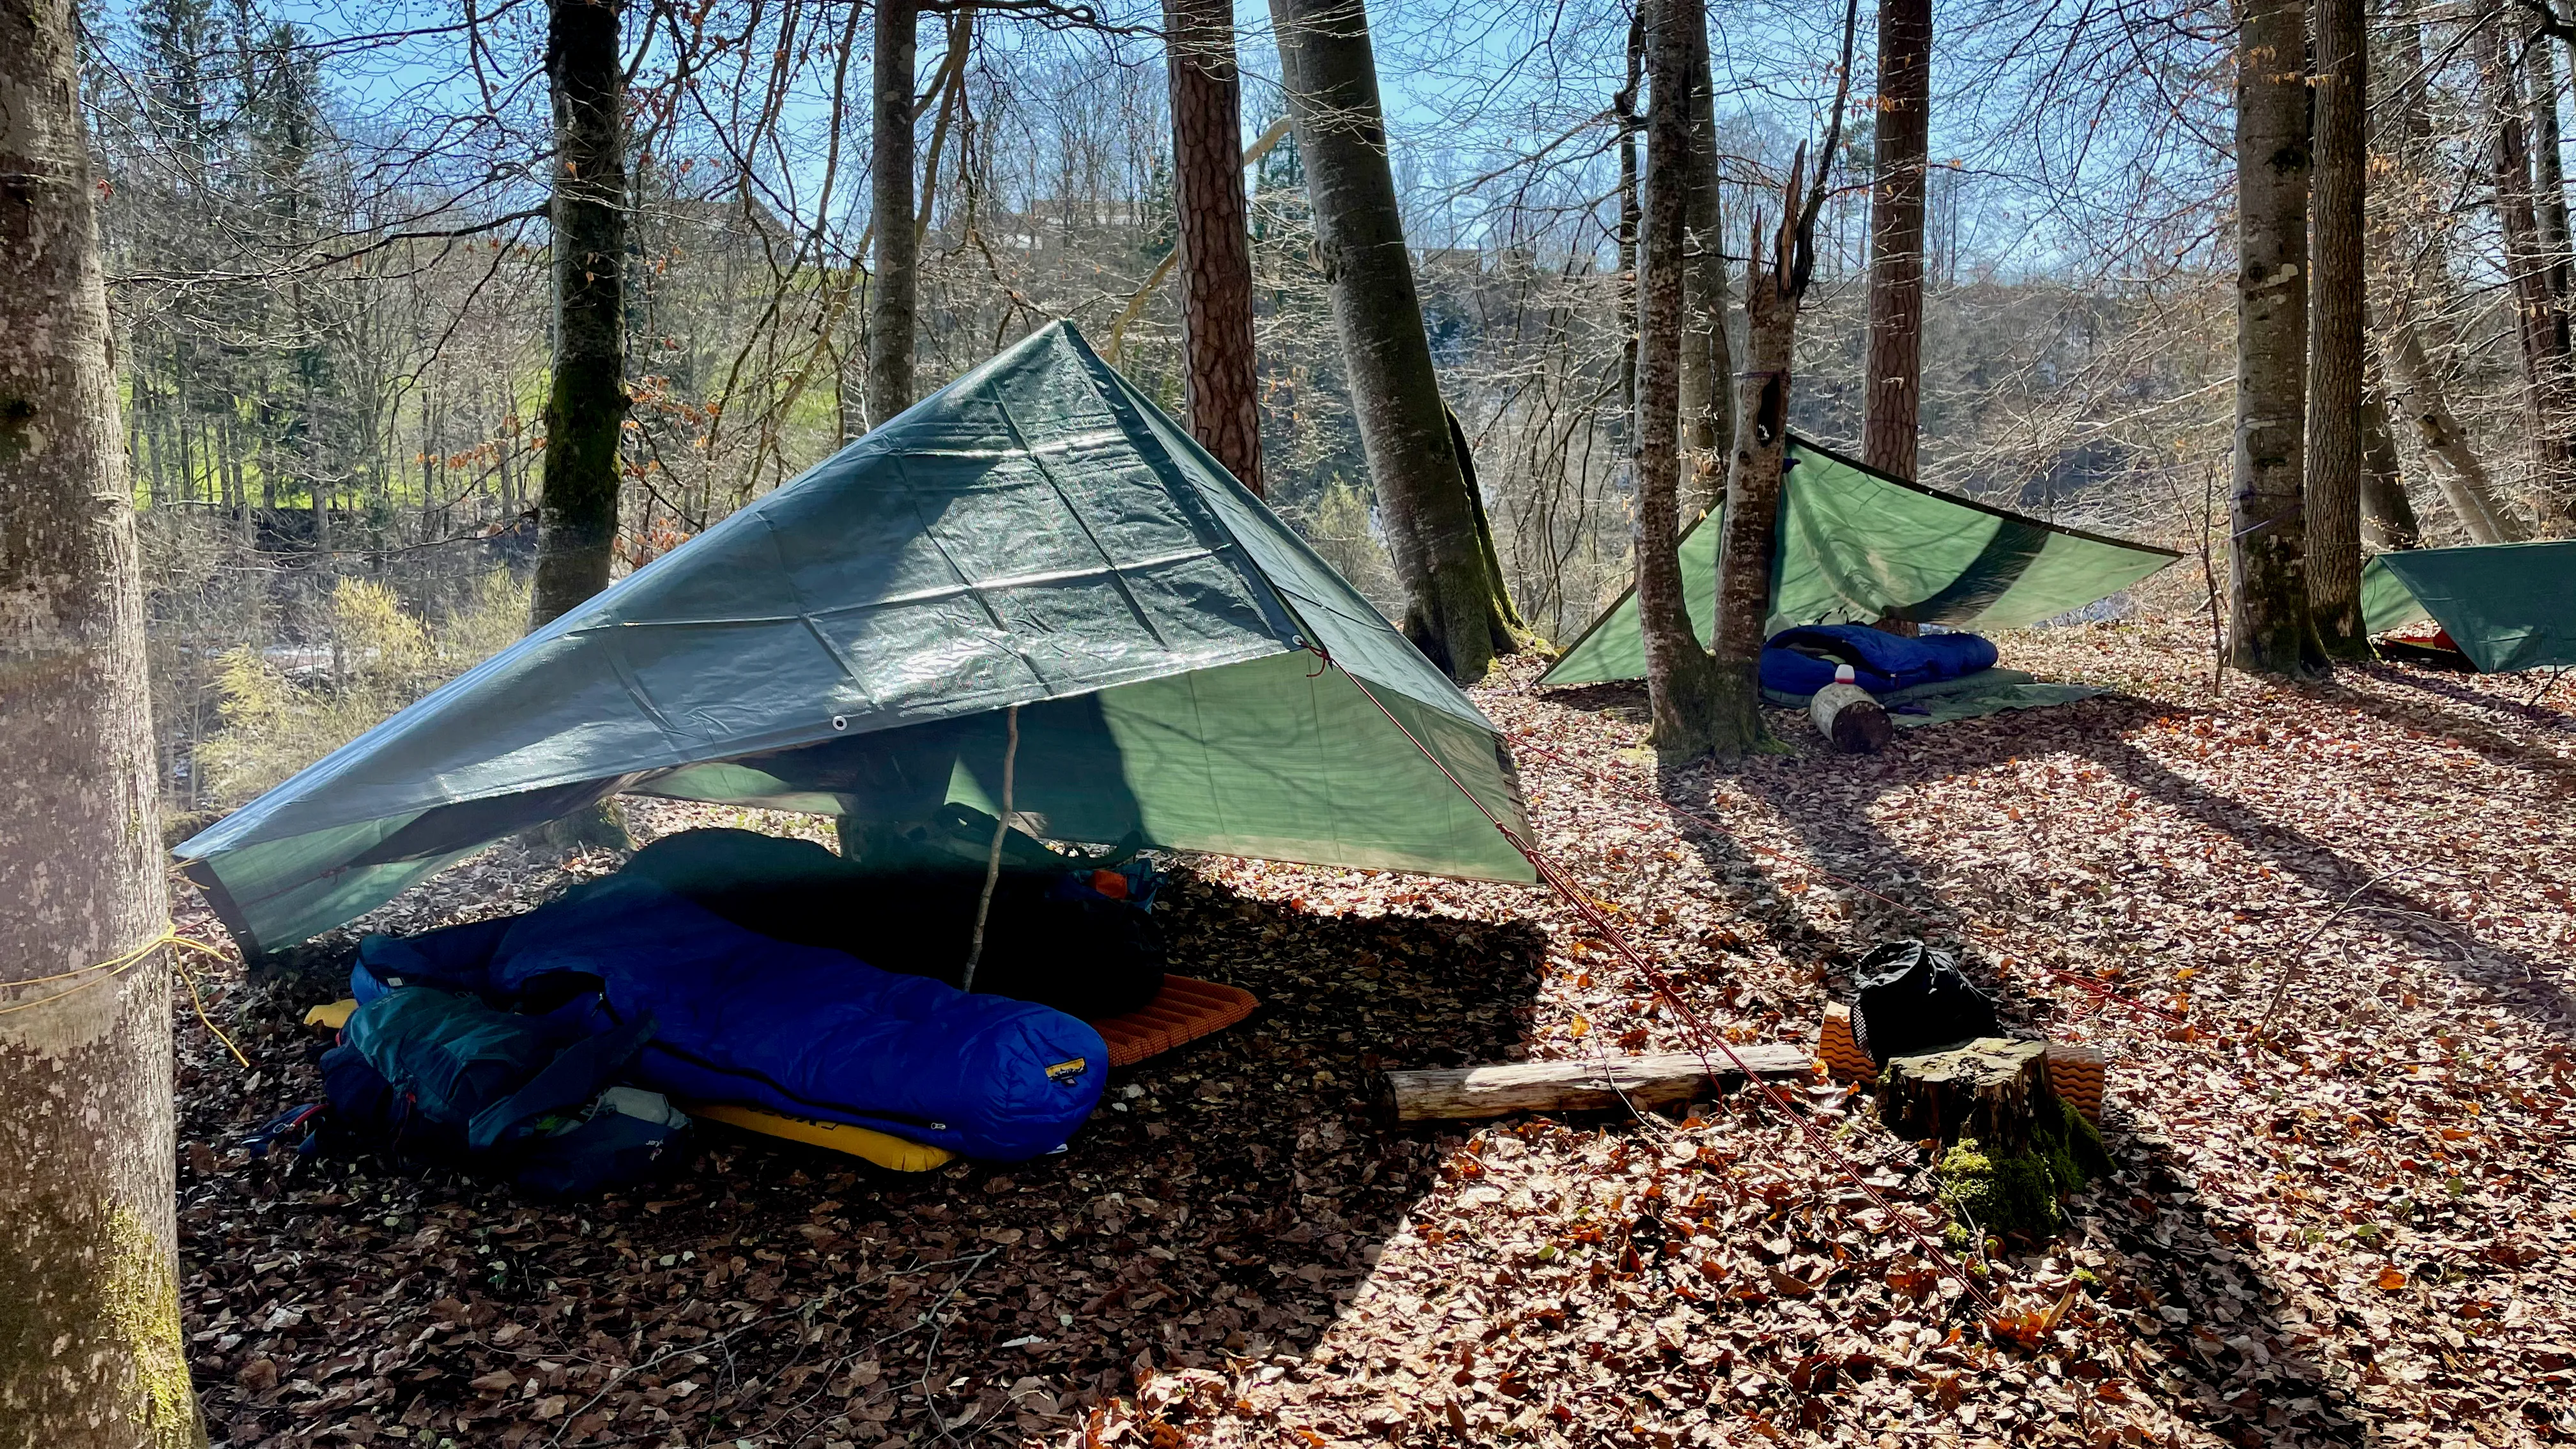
point(1856, 545)
point(1037, 533)
point(2507, 605)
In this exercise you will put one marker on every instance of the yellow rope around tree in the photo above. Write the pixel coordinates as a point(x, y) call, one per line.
point(114, 967)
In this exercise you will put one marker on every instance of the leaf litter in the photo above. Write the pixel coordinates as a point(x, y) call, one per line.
point(2322, 932)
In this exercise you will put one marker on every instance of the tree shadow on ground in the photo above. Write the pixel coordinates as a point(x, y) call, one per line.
point(1223, 1206)
point(2208, 1326)
point(2480, 736)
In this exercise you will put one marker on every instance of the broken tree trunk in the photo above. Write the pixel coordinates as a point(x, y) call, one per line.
point(2015, 1144)
point(1591, 1085)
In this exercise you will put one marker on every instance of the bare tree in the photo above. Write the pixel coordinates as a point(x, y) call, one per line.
point(92, 1352)
point(1774, 288)
point(2270, 629)
point(2335, 318)
point(1219, 381)
point(1708, 366)
point(2548, 412)
point(586, 405)
point(1892, 403)
point(1452, 610)
point(894, 298)
point(1681, 677)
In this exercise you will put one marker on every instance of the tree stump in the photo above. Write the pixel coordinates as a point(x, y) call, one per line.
point(1853, 719)
point(2014, 1144)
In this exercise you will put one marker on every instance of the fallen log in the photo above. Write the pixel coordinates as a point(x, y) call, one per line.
point(1457, 1093)
point(1852, 718)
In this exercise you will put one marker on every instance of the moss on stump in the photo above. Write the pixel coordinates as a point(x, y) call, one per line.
point(2014, 1146)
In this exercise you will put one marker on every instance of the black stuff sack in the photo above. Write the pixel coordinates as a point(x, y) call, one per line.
point(1913, 998)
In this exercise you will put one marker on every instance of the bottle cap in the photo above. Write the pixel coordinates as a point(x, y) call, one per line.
point(1843, 674)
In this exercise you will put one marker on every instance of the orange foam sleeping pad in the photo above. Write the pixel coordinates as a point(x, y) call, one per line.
point(1182, 1012)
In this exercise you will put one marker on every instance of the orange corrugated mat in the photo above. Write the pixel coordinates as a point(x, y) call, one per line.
point(1183, 1011)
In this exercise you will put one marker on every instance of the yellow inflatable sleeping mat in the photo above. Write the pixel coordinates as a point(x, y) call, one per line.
point(885, 1150)
point(332, 1017)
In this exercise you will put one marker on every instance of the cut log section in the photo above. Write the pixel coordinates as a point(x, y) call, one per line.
point(1852, 718)
point(1990, 1089)
point(2074, 1072)
point(1466, 1093)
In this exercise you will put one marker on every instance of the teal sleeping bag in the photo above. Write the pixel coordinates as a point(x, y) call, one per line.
point(741, 1017)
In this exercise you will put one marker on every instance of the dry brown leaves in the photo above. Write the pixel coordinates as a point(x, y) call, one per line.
point(2359, 1228)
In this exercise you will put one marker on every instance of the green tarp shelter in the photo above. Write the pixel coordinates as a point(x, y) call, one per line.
point(1856, 545)
point(2507, 605)
point(1036, 534)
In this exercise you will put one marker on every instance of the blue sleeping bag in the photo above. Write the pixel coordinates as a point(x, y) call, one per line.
point(740, 1017)
point(1801, 660)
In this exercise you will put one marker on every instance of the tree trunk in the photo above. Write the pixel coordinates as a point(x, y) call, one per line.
point(1330, 73)
point(893, 302)
point(2270, 630)
point(1631, 222)
point(586, 406)
point(1220, 384)
point(1680, 675)
point(1892, 404)
point(2416, 392)
point(2408, 263)
point(2387, 514)
point(2548, 169)
point(92, 1354)
point(2335, 356)
point(1708, 365)
point(2544, 321)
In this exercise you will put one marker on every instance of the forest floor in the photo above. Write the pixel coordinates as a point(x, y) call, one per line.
point(2358, 1228)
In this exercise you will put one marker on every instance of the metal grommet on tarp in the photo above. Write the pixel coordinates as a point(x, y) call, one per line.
point(840, 722)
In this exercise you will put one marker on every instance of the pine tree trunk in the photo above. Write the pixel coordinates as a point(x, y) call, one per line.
point(586, 405)
point(2387, 514)
point(92, 1353)
point(2335, 356)
point(1708, 364)
point(893, 300)
point(2547, 414)
point(1330, 73)
point(1219, 381)
point(1680, 676)
point(1892, 404)
point(2269, 626)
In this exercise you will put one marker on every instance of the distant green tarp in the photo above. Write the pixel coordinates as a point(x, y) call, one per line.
point(1036, 534)
point(1856, 546)
point(2507, 605)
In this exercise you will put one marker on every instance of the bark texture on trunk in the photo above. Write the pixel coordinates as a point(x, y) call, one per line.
point(2335, 318)
point(2387, 514)
point(2544, 320)
point(586, 404)
point(1892, 403)
point(1752, 514)
point(1329, 70)
point(893, 297)
point(1631, 221)
point(92, 1354)
point(2270, 630)
point(1681, 678)
point(1708, 363)
point(2548, 167)
point(1219, 382)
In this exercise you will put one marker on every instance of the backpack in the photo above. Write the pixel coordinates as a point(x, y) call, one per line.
point(443, 1076)
point(1913, 998)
